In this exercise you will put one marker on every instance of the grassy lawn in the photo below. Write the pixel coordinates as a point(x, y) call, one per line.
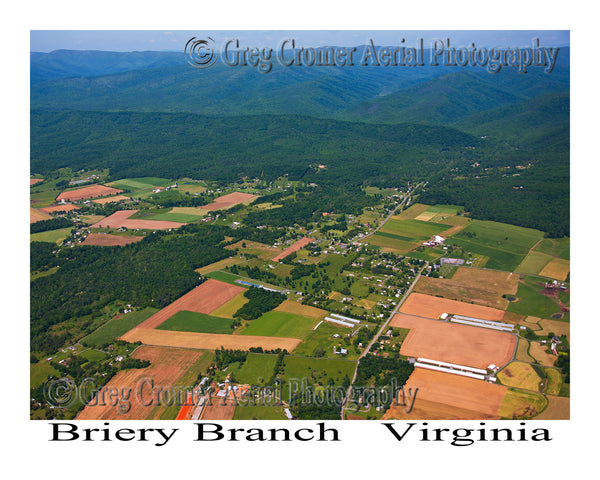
point(118, 326)
point(256, 370)
point(185, 321)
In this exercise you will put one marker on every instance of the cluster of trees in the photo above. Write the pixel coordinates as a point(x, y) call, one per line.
point(261, 301)
point(224, 357)
point(381, 370)
point(51, 224)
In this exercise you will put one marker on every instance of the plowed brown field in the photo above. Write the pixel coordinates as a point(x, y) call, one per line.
point(229, 200)
point(167, 366)
point(121, 219)
point(92, 191)
point(294, 248)
point(432, 307)
point(106, 240)
point(60, 208)
point(450, 342)
point(451, 397)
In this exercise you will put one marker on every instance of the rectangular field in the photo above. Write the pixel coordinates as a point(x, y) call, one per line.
point(433, 307)
point(203, 299)
point(281, 324)
point(296, 308)
point(557, 269)
point(443, 396)
point(449, 342)
point(59, 208)
point(229, 200)
point(107, 240)
point(121, 219)
point(207, 341)
point(36, 216)
point(92, 191)
point(533, 263)
point(483, 287)
point(116, 198)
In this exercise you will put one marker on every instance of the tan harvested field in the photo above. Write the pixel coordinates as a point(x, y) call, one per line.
point(37, 216)
point(92, 191)
point(190, 211)
point(432, 307)
point(555, 326)
point(514, 318)
point(91, 219)
point(227, 310)
point(266, 252)
point(59, 208)
point(521, 404)
point(522, 349)
point(289, 306)
point(538, 351)
point(33, 181)
point(106, 240)
point(121, 219)
point(208, 341)
point(449, 342)
point(520, 375)
point(446, 396)
point(294, 248)
point(484, 287)
point(532, 322)
point(426, 216)
point(116, 198)
point(557, 268)
point(229, 200)
point(559, 408)
point(167, 366)
point(227, 262)
point(203, 299)
point(412, 212)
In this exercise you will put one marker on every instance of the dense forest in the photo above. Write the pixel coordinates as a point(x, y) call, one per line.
point(153, 272)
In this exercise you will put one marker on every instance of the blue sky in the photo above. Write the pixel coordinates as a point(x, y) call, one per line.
point(174, 40)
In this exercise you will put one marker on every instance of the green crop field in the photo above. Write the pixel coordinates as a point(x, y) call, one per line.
point(140, 183)
point(502, 236)
point(174, 217)
point(52, 236)
point(92, 355)
point(413, 229)
point(186, 321)
point(558, 247)
point(380, 240)
point(228, 309)
point(116, 327)
point(281, 324)
point(534, 262)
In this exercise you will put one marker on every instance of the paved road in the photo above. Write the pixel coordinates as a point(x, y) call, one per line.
point(381, 330)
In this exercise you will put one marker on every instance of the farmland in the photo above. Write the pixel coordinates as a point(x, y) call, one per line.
point(319, 274)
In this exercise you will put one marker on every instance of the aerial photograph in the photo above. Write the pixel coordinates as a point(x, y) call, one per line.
point(299, 225)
